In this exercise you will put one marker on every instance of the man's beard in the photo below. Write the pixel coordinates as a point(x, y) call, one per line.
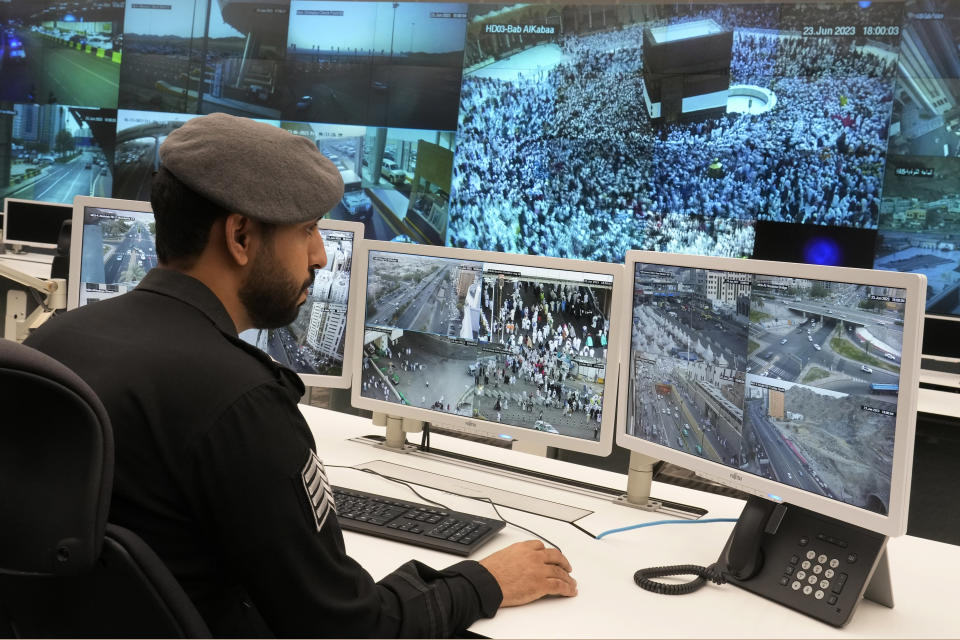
point(269, 295)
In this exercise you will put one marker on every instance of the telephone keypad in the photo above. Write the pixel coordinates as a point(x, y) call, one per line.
point(816, 575)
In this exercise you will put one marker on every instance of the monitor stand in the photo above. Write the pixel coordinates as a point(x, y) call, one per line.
point(639, 484)
point(16, 312)
point(639, 489)
point(397, 430)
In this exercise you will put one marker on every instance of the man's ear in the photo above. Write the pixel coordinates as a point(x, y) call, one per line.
point(238, 235)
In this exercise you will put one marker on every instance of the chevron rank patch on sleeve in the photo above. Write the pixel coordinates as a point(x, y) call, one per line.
point(319, 493)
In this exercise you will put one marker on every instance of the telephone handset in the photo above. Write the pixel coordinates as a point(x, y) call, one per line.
point(743, 555)
point(806, 561)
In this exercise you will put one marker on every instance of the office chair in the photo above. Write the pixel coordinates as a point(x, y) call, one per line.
point(64, 570)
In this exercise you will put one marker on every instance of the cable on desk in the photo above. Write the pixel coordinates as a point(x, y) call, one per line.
point(658, 522)
point(576, 526)
point(425, 437)
point(408, 485)
point(643, 578)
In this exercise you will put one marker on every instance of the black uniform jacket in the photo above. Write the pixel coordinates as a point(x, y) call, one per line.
point(214, 463)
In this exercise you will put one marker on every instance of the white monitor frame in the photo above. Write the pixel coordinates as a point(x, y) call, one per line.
point(345, 378)
point(28, 243)
point(892, 524)
point(476, 426)
point(80, 203)
point(341, 381)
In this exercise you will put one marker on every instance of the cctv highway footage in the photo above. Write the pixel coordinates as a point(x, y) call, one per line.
point(314, 342)
point(47, 59)
point(754, 371)
point(119, 248)
point(517, 345)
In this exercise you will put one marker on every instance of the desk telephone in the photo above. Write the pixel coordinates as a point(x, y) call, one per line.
point(814, 564)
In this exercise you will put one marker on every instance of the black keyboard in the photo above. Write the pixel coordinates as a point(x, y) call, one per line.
point(412, 522)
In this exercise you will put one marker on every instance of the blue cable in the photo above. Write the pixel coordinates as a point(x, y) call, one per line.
point(651, 524)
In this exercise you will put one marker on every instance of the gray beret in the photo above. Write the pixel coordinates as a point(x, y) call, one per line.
point(253, 168)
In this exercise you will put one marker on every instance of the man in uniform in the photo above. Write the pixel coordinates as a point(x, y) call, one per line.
point(213, 458)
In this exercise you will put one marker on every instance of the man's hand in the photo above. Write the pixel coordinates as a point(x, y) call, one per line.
point(527, 571)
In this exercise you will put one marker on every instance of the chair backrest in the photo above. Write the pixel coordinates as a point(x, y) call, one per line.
point(60, 267)
point(56, 466)
point(65, 572)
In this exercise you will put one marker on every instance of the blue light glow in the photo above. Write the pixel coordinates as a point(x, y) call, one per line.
point(822, 251)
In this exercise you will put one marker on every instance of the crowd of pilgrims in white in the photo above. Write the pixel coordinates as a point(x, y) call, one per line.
point(566, 162)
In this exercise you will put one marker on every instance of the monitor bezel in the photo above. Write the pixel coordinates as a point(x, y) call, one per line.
point(892, 524)
point(76, 235)
point(28, 243)
point(474, 426)
point(345, 378)
point(935, 325)
point(341, 381)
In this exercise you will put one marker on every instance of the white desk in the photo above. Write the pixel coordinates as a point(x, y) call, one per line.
point(609, 604)
point(33, 264)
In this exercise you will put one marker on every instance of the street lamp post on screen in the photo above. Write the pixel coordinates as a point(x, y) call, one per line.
point(393, 27)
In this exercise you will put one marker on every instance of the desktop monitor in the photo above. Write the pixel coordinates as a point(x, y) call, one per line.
point(31, 223)
point(112, 247)
point(501, 345)
point(117, 247)
point(796, 383)
point(318, 345)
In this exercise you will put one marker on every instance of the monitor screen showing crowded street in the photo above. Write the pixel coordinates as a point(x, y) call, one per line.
point(313, 344)
point(793, 380)
point(511, 344)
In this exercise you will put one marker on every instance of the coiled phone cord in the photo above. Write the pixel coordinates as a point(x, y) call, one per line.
point(644, 578)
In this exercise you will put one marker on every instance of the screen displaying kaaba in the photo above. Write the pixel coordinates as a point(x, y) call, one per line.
point(574, 130)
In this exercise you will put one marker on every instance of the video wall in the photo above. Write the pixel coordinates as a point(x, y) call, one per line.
point(572, 130)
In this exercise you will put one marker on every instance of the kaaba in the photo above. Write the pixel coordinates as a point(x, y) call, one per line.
point(686, 70)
